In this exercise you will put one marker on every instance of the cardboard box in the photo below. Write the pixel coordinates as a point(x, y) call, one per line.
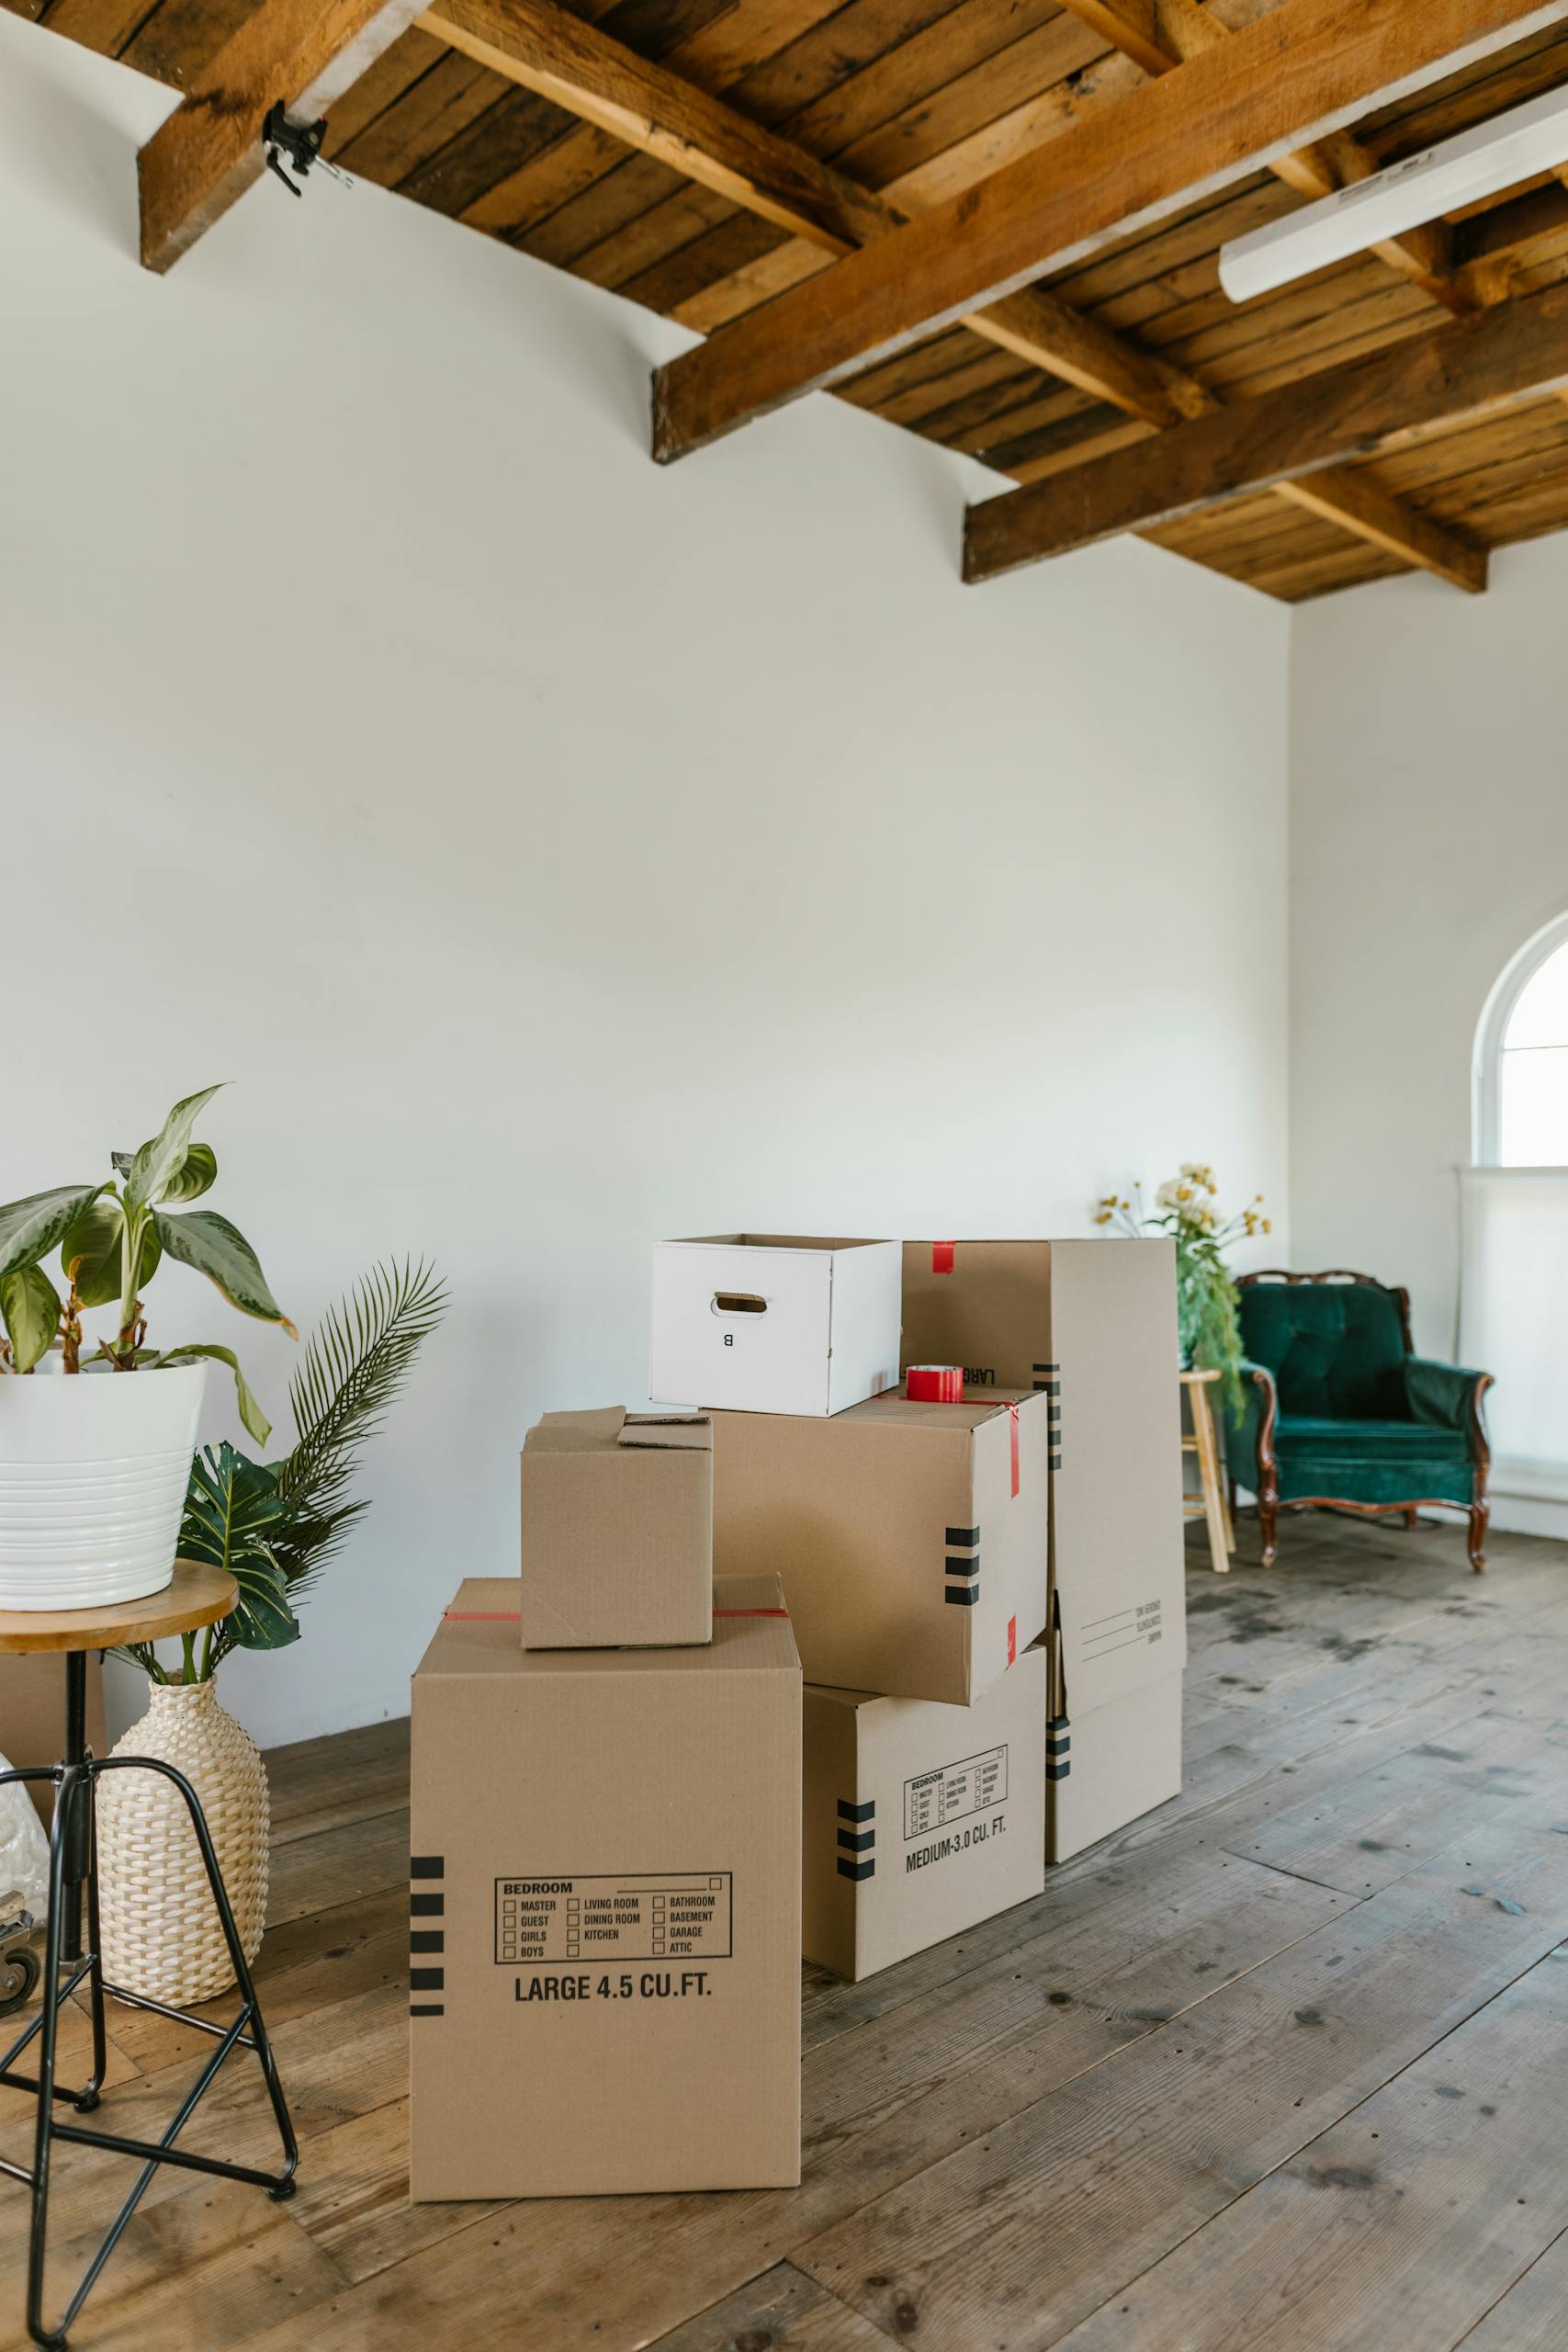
point(1117, 1646)
point(775, 1322)
point(617, 1529)
point(32, 1717)
point(910, 1539)
point(1107, 1765)
point(604, 1977)
point(919, 1819)
point(1092, 1325)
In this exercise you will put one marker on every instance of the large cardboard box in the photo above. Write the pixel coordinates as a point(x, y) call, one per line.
point(32, 1717)
point(910, 1539)
point(617, 1529)
point(604, 1977)
point(1110, 1764)
point(919, 1819)
point(1092, 1325)
point(775, 1322)
point(1117, 1645)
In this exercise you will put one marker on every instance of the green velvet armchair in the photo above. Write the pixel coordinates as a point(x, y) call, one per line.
point(1339, 1410)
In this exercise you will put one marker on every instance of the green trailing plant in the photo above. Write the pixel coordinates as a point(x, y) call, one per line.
point(1207, 1326)
point(275, 1526)
point(111, 1238)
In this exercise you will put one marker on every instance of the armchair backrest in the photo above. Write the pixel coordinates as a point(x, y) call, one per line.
point(1336, 1347)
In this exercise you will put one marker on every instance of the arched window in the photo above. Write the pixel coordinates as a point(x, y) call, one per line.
point(1521, 1064)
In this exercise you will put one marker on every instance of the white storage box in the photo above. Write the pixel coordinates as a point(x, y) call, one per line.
point(775, 1322)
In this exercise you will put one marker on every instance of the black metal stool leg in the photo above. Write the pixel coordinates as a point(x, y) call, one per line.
point(67, 1791)
point(250, 2008)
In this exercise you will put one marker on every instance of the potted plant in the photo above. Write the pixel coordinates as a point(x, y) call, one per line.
point(274, 1526)
point(94, 1467)
point(1208, 1331)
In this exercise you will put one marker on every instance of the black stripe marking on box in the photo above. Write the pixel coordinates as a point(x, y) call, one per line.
point(427, 1866)
point(1047, 1367)
point(428, 1906)
point(856, 1869)
point(963, 1595)
point(856, 1841)
point(962, 1538)
point(427, 1980)
point(426, 2009)
point(427, 1939)
point(848, 1812)
point(1058, 1748)
point(968, 1568)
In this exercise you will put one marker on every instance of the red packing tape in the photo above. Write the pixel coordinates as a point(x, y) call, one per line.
point(934, 1384)
point(942, 1257)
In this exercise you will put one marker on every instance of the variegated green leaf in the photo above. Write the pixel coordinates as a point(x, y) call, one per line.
point(30, 1228)
point(194, 1176)
point(31, 1313)
point(161, 1158)
point(251, 1413)
point(214, 1246)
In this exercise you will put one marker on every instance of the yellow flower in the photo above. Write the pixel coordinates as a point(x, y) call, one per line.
point(1105, 1217)
point(1267, 1225)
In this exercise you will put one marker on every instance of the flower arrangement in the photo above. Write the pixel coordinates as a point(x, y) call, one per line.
point(1186, 1206)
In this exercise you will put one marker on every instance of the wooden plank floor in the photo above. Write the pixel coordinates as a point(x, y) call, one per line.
point(1281, 2068)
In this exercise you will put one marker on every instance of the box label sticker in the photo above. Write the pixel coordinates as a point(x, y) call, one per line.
point(1123, 1630)
point(932, 1799)
point(668, 1914)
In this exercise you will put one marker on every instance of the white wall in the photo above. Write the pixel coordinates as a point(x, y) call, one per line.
point(1430, 840)
point(557, 852)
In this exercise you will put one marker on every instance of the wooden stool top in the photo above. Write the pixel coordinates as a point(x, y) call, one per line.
point(1189, 1378)
point(197, 1595)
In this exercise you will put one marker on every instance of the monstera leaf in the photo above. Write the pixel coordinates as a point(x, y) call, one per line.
point(232, 1511)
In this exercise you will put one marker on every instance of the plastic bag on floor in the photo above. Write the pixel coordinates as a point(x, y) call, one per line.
point(24, 1849)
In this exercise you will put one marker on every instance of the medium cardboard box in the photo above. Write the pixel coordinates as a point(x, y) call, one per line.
point(919, 1819)
point(617, 1529)
point(1092, 1324)
point(1117, 1645)
point(775, 1322)
point(32, 1717)
point(604, 1974)
point(1107, 1766)
point(910, 1539)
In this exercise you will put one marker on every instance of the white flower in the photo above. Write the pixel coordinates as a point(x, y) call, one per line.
point(1171, 1194)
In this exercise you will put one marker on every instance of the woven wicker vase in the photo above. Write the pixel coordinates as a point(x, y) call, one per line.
point(159, 1924)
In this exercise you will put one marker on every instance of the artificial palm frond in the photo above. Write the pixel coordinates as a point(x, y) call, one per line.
point(358, 1357)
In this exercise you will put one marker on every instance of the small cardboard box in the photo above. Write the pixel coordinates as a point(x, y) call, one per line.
point(910, 1539)
point(604, 1974)
point(617, 1529)
point(775, 1322)
point(920, 1820)
point(1108, 1764)
point(1092, 1324)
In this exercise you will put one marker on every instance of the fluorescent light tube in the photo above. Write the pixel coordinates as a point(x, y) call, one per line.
point(1496, 155)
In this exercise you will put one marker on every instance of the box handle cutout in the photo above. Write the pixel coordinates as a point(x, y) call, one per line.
point(738, 1302)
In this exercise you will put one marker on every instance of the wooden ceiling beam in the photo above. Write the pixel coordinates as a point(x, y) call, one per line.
point(543, 47)
point(1159, 34)
point(1286, 80)
point(305, 52)
point(1467, 369)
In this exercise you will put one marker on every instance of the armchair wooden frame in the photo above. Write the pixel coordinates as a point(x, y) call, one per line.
point(1476, 1504)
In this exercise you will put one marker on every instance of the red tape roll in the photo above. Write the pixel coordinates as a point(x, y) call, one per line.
point(934, 1384)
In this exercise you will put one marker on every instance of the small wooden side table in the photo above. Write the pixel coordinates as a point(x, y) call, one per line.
point(197, 1596)
point(1204, 1444)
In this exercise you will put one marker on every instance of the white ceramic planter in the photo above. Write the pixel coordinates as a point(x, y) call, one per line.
point(93, 1478)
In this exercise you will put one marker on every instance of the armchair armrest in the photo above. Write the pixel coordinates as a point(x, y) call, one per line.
point(1250, 1437)
point(1444, 1393)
